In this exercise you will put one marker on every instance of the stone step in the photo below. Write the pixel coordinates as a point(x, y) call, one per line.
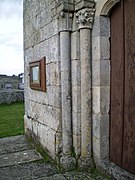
point(13, 144)
point(19, 157)
point(28, 171)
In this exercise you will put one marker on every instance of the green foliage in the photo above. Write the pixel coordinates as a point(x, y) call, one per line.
point(11, 119)
point(97, 174)
point(73, 154)
point(35, 143)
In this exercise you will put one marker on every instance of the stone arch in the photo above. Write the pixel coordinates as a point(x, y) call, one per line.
point(103, 7)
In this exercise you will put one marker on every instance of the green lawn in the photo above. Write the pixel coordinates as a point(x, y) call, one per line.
point(11, 119)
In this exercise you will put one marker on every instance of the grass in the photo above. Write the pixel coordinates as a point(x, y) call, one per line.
point(11, 119)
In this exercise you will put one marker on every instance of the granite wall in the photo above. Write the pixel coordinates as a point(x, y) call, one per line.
point(43, 109)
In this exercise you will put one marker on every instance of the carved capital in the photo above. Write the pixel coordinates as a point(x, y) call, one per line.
point(85, 17)
point(65, 21)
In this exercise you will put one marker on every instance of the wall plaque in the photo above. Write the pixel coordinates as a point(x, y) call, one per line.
point(38, 75)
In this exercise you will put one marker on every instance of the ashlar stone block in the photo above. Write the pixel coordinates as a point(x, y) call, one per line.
point(38, 96)
point(47, 135)
point(28, 56)
point(105, 100)
point(104, 147)
point(53, 44)
point(104, 48)
point(43, 20)
point(104, 125)
point(35, 39)
point(27, 124)
point(96, 48)
point(104, 73)
point(35, 127)
point(101, 27)
point(54, 96)
point(96, 72)
point(53, 73)
point(52, 117)
point(100, 48)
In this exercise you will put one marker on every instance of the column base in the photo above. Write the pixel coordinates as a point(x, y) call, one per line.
point(68, 163)
point(85, 163)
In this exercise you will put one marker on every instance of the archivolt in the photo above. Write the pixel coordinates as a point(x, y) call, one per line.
point(103, 7)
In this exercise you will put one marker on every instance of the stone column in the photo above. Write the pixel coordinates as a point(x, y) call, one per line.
point(85, 20)
point(66, 160)
point(66, 90)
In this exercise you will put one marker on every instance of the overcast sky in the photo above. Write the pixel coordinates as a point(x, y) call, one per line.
point(11, 37)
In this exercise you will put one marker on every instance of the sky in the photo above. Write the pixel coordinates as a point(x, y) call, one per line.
point(11, 37)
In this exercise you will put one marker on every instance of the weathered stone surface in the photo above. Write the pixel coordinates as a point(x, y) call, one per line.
point(105, 99)
point(75, 45)
point(96, 125)
point(101, 27)
point(105, 73)
point(27, 124)
point(54, 177)
point(77, 143)
point(96, 72)
point(76, 99)
point(49, 30)
point(68, 163)
point(53, 45)
point(19, 158)
point(76, 72)
point(47, 139)
point(115, 171)
point(96, 100)
point(43, 115)
point(47, 115)
point(53, 73)
point(61, 117)
point(85, 92)
point(96, 146)
point(104, 48)
point(85, 163)
point(96, 48)
point(83, 4)
point(65, 46)
point(74, 175)
point(13, 144)
point(33, 170)
point(76, 118)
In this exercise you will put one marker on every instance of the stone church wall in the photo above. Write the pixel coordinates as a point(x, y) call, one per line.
point(43, 109)
point(70, 119)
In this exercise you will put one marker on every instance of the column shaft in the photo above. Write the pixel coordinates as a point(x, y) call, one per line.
point(85, 56)
point(65, 46)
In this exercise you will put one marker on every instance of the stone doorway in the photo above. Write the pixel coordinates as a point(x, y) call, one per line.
point(122, 116)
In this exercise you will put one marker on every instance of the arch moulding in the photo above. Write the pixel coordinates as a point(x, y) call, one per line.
point(103, 7)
